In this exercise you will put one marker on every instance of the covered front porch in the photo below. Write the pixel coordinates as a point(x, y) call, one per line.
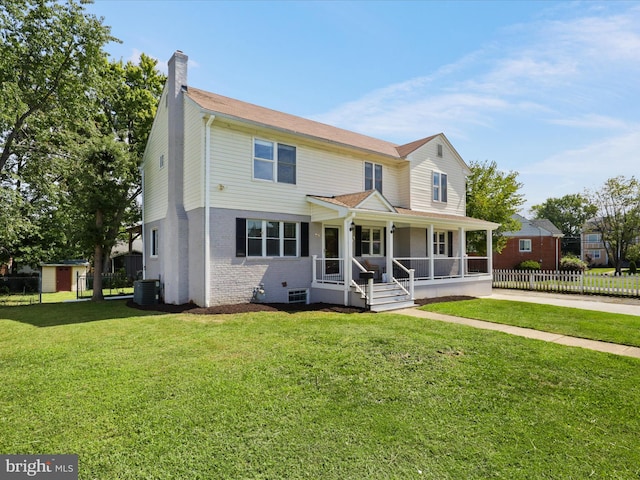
point(374, 255)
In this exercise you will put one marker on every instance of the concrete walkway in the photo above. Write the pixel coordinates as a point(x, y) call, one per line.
point(629, 307)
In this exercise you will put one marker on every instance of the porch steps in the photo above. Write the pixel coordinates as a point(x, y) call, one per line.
point(389, 296)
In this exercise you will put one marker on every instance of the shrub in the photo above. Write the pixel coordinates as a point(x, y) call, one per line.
point(528, 265)
point(571, 263)
point(633, 269)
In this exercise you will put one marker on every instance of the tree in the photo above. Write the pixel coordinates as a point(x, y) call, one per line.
point(492, 195)
point(100, 191)
point(569, 214)
point(618, 216)
point(50, 58)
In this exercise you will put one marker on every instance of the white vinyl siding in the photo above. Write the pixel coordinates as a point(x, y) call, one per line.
point(155, 177)
point(424, 162)
point(193, 156)
point(319, 171)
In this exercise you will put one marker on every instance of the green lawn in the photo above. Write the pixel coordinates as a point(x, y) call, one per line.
point(607, 327)
point(308, 395)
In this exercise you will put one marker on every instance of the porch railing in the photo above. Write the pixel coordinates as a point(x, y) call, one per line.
point(405, 282)
point(328, 270)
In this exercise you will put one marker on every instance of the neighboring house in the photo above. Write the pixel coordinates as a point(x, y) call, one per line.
point(127, 255)
point(592, 250)
point(246, 203)
point(538, 240)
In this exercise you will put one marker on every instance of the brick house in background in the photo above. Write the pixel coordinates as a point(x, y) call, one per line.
point(537, 240)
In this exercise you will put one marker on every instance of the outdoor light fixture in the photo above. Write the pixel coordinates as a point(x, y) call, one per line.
point(393, 228)
point(352, 227)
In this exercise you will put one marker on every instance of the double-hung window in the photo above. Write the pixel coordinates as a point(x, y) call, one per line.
point(267, 238)
point(372, 176)
point(371, 241)
point(439, 187)
point(439, 243)
point(525, 245)
point(274, 162)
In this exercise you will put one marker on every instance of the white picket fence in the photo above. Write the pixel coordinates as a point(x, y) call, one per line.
point(568, 282)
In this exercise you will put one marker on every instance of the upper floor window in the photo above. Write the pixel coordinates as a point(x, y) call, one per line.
point(440, 187)
point(525, 244)
point(274, 162)
point(372, 176)
point(593, 237)
point(272, 239)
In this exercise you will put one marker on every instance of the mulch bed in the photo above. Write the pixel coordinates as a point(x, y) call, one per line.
point(272, 307)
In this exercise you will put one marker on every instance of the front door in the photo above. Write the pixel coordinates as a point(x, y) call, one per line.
point(331, 250)
point(63, 279)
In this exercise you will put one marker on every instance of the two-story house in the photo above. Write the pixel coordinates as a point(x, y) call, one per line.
point(245, 203)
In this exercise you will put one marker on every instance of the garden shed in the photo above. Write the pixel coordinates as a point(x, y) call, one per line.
point(62, 277)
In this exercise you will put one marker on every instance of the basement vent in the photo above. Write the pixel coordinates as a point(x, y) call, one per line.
point(299, 296)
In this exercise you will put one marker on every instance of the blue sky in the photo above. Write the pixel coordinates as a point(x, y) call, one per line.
point(548, 89)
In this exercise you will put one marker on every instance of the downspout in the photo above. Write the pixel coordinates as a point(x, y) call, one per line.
point(207, 211)
point(142, 235)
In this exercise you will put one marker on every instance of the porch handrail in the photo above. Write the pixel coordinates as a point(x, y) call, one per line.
point(358, 288)
point(411, 272)
point(359, 265)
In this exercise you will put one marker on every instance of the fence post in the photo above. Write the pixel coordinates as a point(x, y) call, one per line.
point(531, 280)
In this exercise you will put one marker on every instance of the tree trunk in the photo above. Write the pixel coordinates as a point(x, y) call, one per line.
point(97, 262)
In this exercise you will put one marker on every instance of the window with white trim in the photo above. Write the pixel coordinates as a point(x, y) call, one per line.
point(440, 243)
point(299, 296)
point(371, 241)
point(272, 239)
point(595, 254)
point(439, 187)
point(274, 162)
point(372, 176)
point(525, 245)
point(154, 242)
point(593, 238)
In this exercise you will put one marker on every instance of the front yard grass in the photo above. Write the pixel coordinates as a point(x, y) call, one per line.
point(308, 395)
point(606, 327)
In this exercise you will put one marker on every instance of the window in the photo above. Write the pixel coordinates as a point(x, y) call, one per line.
point(371, 241)
point(440, 187)
point(154, 242)
point(440, 150)
point(525, 245)
point(298, 296)
point(372, 176)
point(593, 237)
point(274, 162)
point(439, 243)
point(271, 239)
point(595, 254)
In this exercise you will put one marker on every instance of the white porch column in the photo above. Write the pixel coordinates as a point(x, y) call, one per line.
point(430, 250)
point(463, 249)
point(389, 243)
point(348, 254)
point(490, 252)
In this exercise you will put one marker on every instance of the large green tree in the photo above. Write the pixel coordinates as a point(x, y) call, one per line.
point(51, 55)
point(618, 216)
point(492, 195)
point(569, 213)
